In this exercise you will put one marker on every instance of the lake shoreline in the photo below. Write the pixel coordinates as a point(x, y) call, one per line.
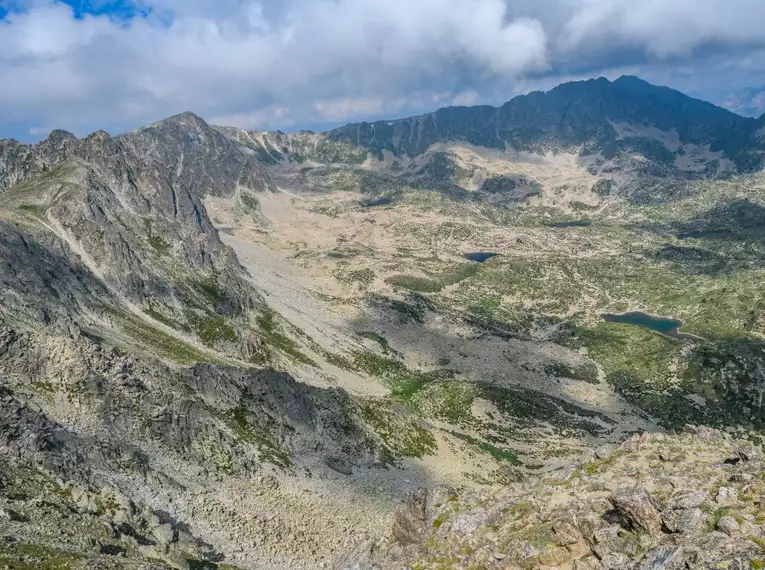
point(667, 326)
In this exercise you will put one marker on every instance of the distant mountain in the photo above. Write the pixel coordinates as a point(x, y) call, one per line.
point(596, 116)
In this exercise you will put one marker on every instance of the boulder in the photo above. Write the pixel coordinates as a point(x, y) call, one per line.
point(726, 496)
point(667, 558)
point(683, 521)
point(164, 533)
point(638, 508)
point(409, 523)
point(689, 499)
point(728, 525)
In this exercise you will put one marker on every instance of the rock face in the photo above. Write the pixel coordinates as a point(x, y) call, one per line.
point(129, 427)
point(585, 115)
point(574, 524)
point(638, 508)
point(119, 221)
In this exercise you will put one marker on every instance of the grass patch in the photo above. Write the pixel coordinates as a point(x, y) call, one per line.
point(273, 336)
point(159, 245)
point(448, 401)
point(26, 556)
point(401, 436)
point(211, 329)
point(586, 372)
point(212, 289)
point(158, 342)
point(715, 516)
point(424, 285)
point(238, 420)
point(403, 382)
point(364, 277)
point(497, 453)
point(250, 203)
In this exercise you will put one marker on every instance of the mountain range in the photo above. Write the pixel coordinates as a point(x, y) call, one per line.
point(222, 348)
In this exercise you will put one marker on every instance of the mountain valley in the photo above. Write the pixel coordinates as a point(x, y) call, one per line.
point(222, 348)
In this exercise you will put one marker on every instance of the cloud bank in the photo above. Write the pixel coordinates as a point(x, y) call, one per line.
point(278, 63)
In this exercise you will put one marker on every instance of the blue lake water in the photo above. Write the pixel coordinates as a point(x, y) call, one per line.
point(664, 325)
point(480, 256)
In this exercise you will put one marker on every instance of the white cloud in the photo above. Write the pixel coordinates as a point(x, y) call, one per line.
point(466, 98)
point(273, 63)
point(270, 117)
point(39, 131)
point(321, 59)
point(665, 28)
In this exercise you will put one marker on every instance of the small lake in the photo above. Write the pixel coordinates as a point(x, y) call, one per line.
point(664, 325)
point(479, 256)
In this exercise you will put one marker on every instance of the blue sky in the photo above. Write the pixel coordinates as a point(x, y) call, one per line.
point(290, 64)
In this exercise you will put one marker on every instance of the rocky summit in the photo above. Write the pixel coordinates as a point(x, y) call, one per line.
point(524, 337)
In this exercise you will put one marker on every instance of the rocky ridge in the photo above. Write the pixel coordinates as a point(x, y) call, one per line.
point(126, 213)
point(686, 501)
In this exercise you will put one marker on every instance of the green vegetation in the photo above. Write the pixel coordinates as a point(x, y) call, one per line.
point(25, 556)
point(363, 277)
point(402, 435)
point(156, 341)
point(716, 515)
point(525, 405)
point(334, 151)
point(424, 285)
point(585, 372)
point(34, 209)
point(379, 339)
point(159, 245)
point(241, 421)
point(211, 330)
point(496, 452)
point(272, 334)
point(250, 203)
point(449, 401)
point(404, 383)
point(212, 289)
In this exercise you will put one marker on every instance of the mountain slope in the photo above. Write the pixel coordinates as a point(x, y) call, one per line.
point(225, 347)
point(130, 209)
point(583, 115)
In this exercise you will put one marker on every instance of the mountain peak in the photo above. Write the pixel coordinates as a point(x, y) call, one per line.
point(57, 136)
point(186, 116)
point(186, 120)
point(579, 116)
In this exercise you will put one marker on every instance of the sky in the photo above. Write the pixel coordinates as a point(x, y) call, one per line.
point(83, 65)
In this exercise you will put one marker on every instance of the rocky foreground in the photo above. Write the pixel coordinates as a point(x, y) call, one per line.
point(670, 502)
point(687, 501)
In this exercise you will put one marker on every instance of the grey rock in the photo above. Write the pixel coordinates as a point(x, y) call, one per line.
point(666, 558)
point(605, 451)
point(614, 561)
point(361, 557)
point(339, 464)
point(726, 496)
point(409, 522)
point(748, 452)
point(683, 521)
point(728, 525)
point(689, 499)
point(566, 532)
point(638, 508)
point(164, 533)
